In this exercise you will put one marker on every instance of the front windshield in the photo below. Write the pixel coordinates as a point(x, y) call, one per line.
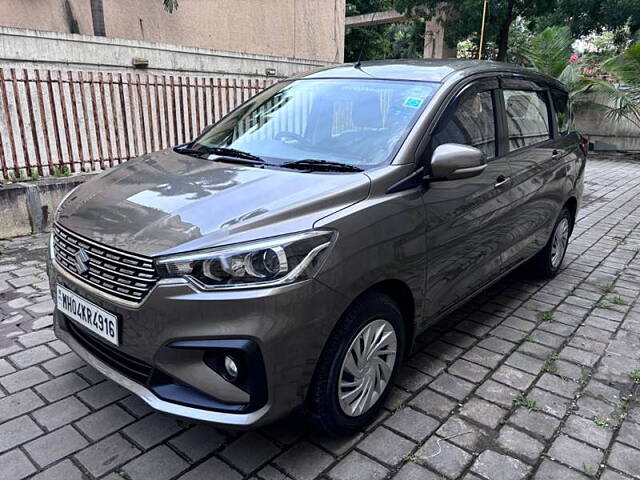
point(357, 122)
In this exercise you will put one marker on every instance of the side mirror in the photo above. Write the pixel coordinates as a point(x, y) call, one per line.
point(453, 161)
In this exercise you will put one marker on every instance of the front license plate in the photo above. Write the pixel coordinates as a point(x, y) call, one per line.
point(87, 314)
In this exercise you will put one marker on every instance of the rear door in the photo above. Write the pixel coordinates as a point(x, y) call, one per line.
point(536, 157)
point(467, 220)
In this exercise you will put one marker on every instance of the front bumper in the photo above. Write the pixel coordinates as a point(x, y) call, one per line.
point(289, 325)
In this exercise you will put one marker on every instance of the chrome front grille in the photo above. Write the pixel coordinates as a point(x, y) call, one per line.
point(117, 273)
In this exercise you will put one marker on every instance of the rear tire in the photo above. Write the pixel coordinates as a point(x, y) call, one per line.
point(332, 404)
point(547, 262)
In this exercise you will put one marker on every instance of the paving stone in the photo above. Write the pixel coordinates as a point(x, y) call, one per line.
point(467, 370)
point(602, 391)
point(63, 364)
point(356, 466)
point(22, 379)
point(625, 459)
point(249, 452)
point(5, 367)
point(103, 394)
point(412, 424)
point(61, 387)
point(590, 407)
point(549, 470)
point(587, 431)
point(411, 379)
point(513, 377)
point(629, 433)
point(549, 403)
point(17, 431)
point(42, 308)
point(64, 470)
point(150, 430)
point(519, 444)
point(104, 422)
point(386, 446)
point(198, 442)
point(107, 454)
point(482, 356)
point(304, 461)
point(18, 403)
point(433, 403)
point(60, 413)
point(496, 345)
point(537, 423)
point(22, 281)
point(16, 465)
point(336, 445)
point(580, 357)
point(452, 386)
point(31, 356)
point(443, 457)
point(413, 471)
point(557, 385)
point(575, 454)
point(525, 362)
point(494, 466)
point(497, 393)
point(36, 338)
point(611, 475)
point(427, 364)
point(161, 463)
point(483, 412)
point(461, 433)
point(214, 468)
point(55, 445)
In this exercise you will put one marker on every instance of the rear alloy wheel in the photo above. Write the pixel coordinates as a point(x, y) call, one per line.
point(357, 366)
point(548, 261)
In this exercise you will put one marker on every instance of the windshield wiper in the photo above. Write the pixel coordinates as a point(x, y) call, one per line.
point(327, 165)
point(223, 153)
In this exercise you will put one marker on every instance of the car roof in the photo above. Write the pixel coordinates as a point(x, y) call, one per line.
point(425, 70)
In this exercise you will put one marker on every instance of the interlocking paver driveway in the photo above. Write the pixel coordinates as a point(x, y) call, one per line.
point(531, 379)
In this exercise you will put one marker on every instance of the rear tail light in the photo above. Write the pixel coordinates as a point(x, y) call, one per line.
point(584, 144)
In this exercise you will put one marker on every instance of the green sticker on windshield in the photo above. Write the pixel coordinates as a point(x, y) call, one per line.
point(413, 102)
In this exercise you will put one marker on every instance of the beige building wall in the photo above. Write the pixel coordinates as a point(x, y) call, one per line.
point(309, 29)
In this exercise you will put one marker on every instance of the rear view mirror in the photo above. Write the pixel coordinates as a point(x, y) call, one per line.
point(453, 161)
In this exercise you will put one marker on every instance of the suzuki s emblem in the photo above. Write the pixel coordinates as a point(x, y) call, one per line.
point(82, 261)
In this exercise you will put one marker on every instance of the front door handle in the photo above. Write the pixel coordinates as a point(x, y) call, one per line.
point(501, 180)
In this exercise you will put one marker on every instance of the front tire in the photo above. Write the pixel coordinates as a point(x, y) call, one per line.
point(547, 263)
point(358, 366)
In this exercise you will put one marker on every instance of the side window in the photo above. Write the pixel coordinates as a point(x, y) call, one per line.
point(563, 112)
point(527, 118)
point(472, 123)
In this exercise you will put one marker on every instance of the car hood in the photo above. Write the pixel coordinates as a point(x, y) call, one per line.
point(167, 202)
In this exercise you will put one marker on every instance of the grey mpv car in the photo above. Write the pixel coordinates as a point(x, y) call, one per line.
point(289, 255)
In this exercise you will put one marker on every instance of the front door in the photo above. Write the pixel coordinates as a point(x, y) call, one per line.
point(467, 220)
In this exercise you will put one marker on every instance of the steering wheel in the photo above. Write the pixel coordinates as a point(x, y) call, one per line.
point(291, 136)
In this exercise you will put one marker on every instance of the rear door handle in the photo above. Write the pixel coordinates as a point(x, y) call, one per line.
point(501, 180)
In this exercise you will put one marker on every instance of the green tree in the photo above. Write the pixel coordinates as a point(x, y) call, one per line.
point(462, 18)
point(394, 40)
point(583, 17)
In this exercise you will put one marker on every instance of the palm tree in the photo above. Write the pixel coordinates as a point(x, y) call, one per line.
point(624, 97)
point(550, 52)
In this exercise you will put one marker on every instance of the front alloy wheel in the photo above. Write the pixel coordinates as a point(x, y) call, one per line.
point(367, 367)
point(357, 366)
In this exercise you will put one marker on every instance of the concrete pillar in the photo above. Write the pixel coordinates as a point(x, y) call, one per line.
point(434, 44)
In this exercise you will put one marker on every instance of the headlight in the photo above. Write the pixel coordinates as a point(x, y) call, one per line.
point(269, 262)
